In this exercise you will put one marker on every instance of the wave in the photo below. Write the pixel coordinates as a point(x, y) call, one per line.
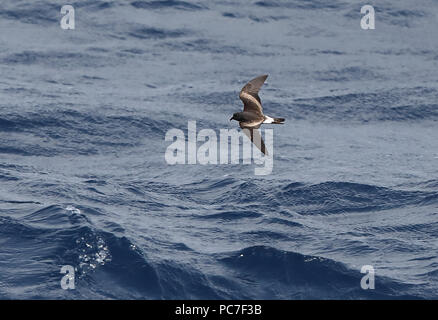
point(167, 4)
point(346, 74)
point(77, 132)
point(54, 58)
point(250, 200)
point(392, 14)
point(155, 33)
point(343, 197)
point(46, 13)
point(205, 45)
point(65, 236)
point(109, 265)
point(40, 12)
point(393, 105)
point(276, 274)
point(297, 4)
point(323, 198)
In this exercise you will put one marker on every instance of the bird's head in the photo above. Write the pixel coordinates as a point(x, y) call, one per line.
point(235, 116)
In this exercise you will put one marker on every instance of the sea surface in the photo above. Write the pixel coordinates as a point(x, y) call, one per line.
point(83, 176)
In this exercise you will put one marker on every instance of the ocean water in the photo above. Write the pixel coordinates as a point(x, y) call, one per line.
point(84, 181)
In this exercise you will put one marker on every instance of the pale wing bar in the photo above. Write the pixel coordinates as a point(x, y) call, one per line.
point(249, 95)
point(256, 138)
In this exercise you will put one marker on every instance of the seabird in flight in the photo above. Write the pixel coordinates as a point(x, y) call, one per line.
point(252, 116)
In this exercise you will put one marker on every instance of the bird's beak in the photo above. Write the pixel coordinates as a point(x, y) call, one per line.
point(232, 118)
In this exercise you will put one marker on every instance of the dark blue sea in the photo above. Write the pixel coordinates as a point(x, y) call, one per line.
point(83, 176)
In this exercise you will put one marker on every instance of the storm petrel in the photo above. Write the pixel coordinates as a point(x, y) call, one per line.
point(252, 116)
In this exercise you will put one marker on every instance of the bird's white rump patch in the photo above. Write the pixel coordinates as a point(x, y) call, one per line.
point(268, 120)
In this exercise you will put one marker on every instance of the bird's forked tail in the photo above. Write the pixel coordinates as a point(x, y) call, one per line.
point(278, 120)
point(273, 120)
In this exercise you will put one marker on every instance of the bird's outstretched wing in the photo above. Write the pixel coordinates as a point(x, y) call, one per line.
point(256, 138)
point(250, 95)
